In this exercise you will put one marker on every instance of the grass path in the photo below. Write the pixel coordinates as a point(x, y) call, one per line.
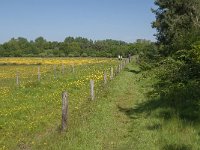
point(140, 123)
point(116, 120)
point(126, 92)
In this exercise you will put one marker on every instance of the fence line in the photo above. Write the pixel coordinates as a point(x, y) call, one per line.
point(65, 103)
point(61, 70)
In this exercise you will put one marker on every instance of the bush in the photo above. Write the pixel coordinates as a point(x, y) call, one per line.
point(84, 55)
point(42, 54)
point(62, 54)
point(76, 54)
point(28, 55)
point(50, 55)
point(70, 55)
point(109, 55)
point(93, 55)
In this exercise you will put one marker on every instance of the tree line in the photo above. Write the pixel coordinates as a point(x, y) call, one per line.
point(70, 47)
point(177, 57)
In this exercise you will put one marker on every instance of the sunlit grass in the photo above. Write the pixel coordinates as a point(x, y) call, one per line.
point(31, 109)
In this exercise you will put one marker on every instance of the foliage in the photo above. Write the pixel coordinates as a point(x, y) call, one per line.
point(178, 26)
point(175, 60)
point(148, 56)
point(177, 23)
point(84, 55)
point(71, 47)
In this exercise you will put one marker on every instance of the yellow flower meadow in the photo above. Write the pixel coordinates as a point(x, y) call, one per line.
point(34, 105)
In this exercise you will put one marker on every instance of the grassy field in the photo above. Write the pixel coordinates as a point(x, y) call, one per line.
point(31, 109)
point(123, 116)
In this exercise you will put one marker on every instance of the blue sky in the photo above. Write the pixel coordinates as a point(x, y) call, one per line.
point(125, 20)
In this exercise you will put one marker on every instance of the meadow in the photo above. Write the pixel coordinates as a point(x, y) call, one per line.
point(31, 109)
point(127, 112)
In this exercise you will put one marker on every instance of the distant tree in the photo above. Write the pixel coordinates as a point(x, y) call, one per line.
point(41, 44)
point(69, 47)
point(69, 40)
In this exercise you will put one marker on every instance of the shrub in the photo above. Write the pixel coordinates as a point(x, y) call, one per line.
point(70, 55)
point(62, 54)
point(84, 55)
point(109, 55)
point(43, 54)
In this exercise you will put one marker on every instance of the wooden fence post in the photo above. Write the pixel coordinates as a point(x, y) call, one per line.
point(73, 68)
point(39, 75)
point(111, 73)
point(105, 77)
point(119, 68)
point(63, 69)
point(54, 68)
point(116, 70)
point(64, 111)
point(92, 89)
point(17, 78)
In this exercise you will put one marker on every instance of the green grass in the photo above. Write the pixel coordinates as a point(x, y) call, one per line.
point(117, 121)
point(30, 111)
point(122, 117)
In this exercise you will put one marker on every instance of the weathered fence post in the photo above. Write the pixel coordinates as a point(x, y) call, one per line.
point(116, 70)
point(92, 89)
point(17, 78)
point(73, 68)
point(54, 68)
point(129, 57)
point(111, 73)
point(64, 111)
point(63, 69)
point(105, 78)
point(39, 75)
point(119, 68)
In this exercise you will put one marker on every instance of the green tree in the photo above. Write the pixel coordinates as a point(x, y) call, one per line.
point(41, 44)
point(177, 23)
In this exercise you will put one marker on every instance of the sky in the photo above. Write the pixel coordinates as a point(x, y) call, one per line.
point(125, 20)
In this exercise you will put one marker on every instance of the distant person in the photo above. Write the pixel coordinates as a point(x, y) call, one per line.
point(119, 57)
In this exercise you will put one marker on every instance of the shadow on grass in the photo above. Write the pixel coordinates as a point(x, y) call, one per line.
point(156, 126)
point(181, 101)
point(176, 147)
point(135, 71)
